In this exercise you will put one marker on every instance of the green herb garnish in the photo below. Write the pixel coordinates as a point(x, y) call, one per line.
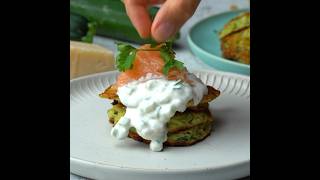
point(178, 84)
point(126, 55)
point(179, 81)
point(168, 55)
point(153, 44)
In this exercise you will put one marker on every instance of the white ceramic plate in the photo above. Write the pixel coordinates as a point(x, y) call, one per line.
point(225, 154)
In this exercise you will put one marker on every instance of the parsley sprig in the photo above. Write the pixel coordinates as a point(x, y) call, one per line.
point(127, 53)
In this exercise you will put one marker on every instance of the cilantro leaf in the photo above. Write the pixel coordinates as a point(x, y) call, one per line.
point(169, 44)
point(153, 44)
point(178, 64)
point(167, 67)
point(125, 56)
point(168, 56)
point(172, 64)
point(167, 47)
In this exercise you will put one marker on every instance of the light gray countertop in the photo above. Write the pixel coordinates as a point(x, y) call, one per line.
point(206, 8)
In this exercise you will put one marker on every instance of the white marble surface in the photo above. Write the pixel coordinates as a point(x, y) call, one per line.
point(206, 8)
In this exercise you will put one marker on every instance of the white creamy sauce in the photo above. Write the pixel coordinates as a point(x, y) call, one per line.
point(151, 101)
point(198, 89)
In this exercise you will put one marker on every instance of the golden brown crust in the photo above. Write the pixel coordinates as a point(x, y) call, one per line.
point(111, 93)
point(234, 29)
point(199, 107)
point(236, 46)
point(235, 39)
point(111, 120)
point(240, 16)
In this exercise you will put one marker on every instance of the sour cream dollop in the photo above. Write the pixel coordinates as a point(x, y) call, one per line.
point(151, 101)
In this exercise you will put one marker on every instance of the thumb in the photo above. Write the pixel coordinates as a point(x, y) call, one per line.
point(171, 16)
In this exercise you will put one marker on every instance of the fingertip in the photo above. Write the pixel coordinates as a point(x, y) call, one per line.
point(163, 31)
point(144, 32)
point(171, 17)
point(139, 17)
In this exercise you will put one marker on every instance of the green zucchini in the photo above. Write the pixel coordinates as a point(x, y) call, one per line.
point(111, 19)
point(81, 29)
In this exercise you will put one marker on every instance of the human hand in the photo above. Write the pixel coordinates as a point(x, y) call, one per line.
point(167, 22)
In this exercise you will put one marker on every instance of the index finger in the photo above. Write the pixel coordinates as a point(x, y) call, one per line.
point(139, 16)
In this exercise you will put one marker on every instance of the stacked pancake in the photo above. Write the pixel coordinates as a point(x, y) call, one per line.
point(184, 128)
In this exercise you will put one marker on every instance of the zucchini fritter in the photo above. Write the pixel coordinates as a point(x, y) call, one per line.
point(235, 39)
point(184, 128)
point(182, 138)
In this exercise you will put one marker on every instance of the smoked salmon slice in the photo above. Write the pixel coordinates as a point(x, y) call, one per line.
point(148, 62)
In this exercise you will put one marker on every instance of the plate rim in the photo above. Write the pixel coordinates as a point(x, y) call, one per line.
point(221, 59)
point(105, 166)
point(219, 72)
point(137, 170)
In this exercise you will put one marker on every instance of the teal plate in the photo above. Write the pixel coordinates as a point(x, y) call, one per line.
point(204, 42)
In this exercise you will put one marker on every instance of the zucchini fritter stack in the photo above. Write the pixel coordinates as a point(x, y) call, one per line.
point(186, 128)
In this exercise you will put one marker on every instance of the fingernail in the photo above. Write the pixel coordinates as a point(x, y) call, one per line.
point(164, 31)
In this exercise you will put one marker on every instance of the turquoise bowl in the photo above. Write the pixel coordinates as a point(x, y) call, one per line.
point(204, 43)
